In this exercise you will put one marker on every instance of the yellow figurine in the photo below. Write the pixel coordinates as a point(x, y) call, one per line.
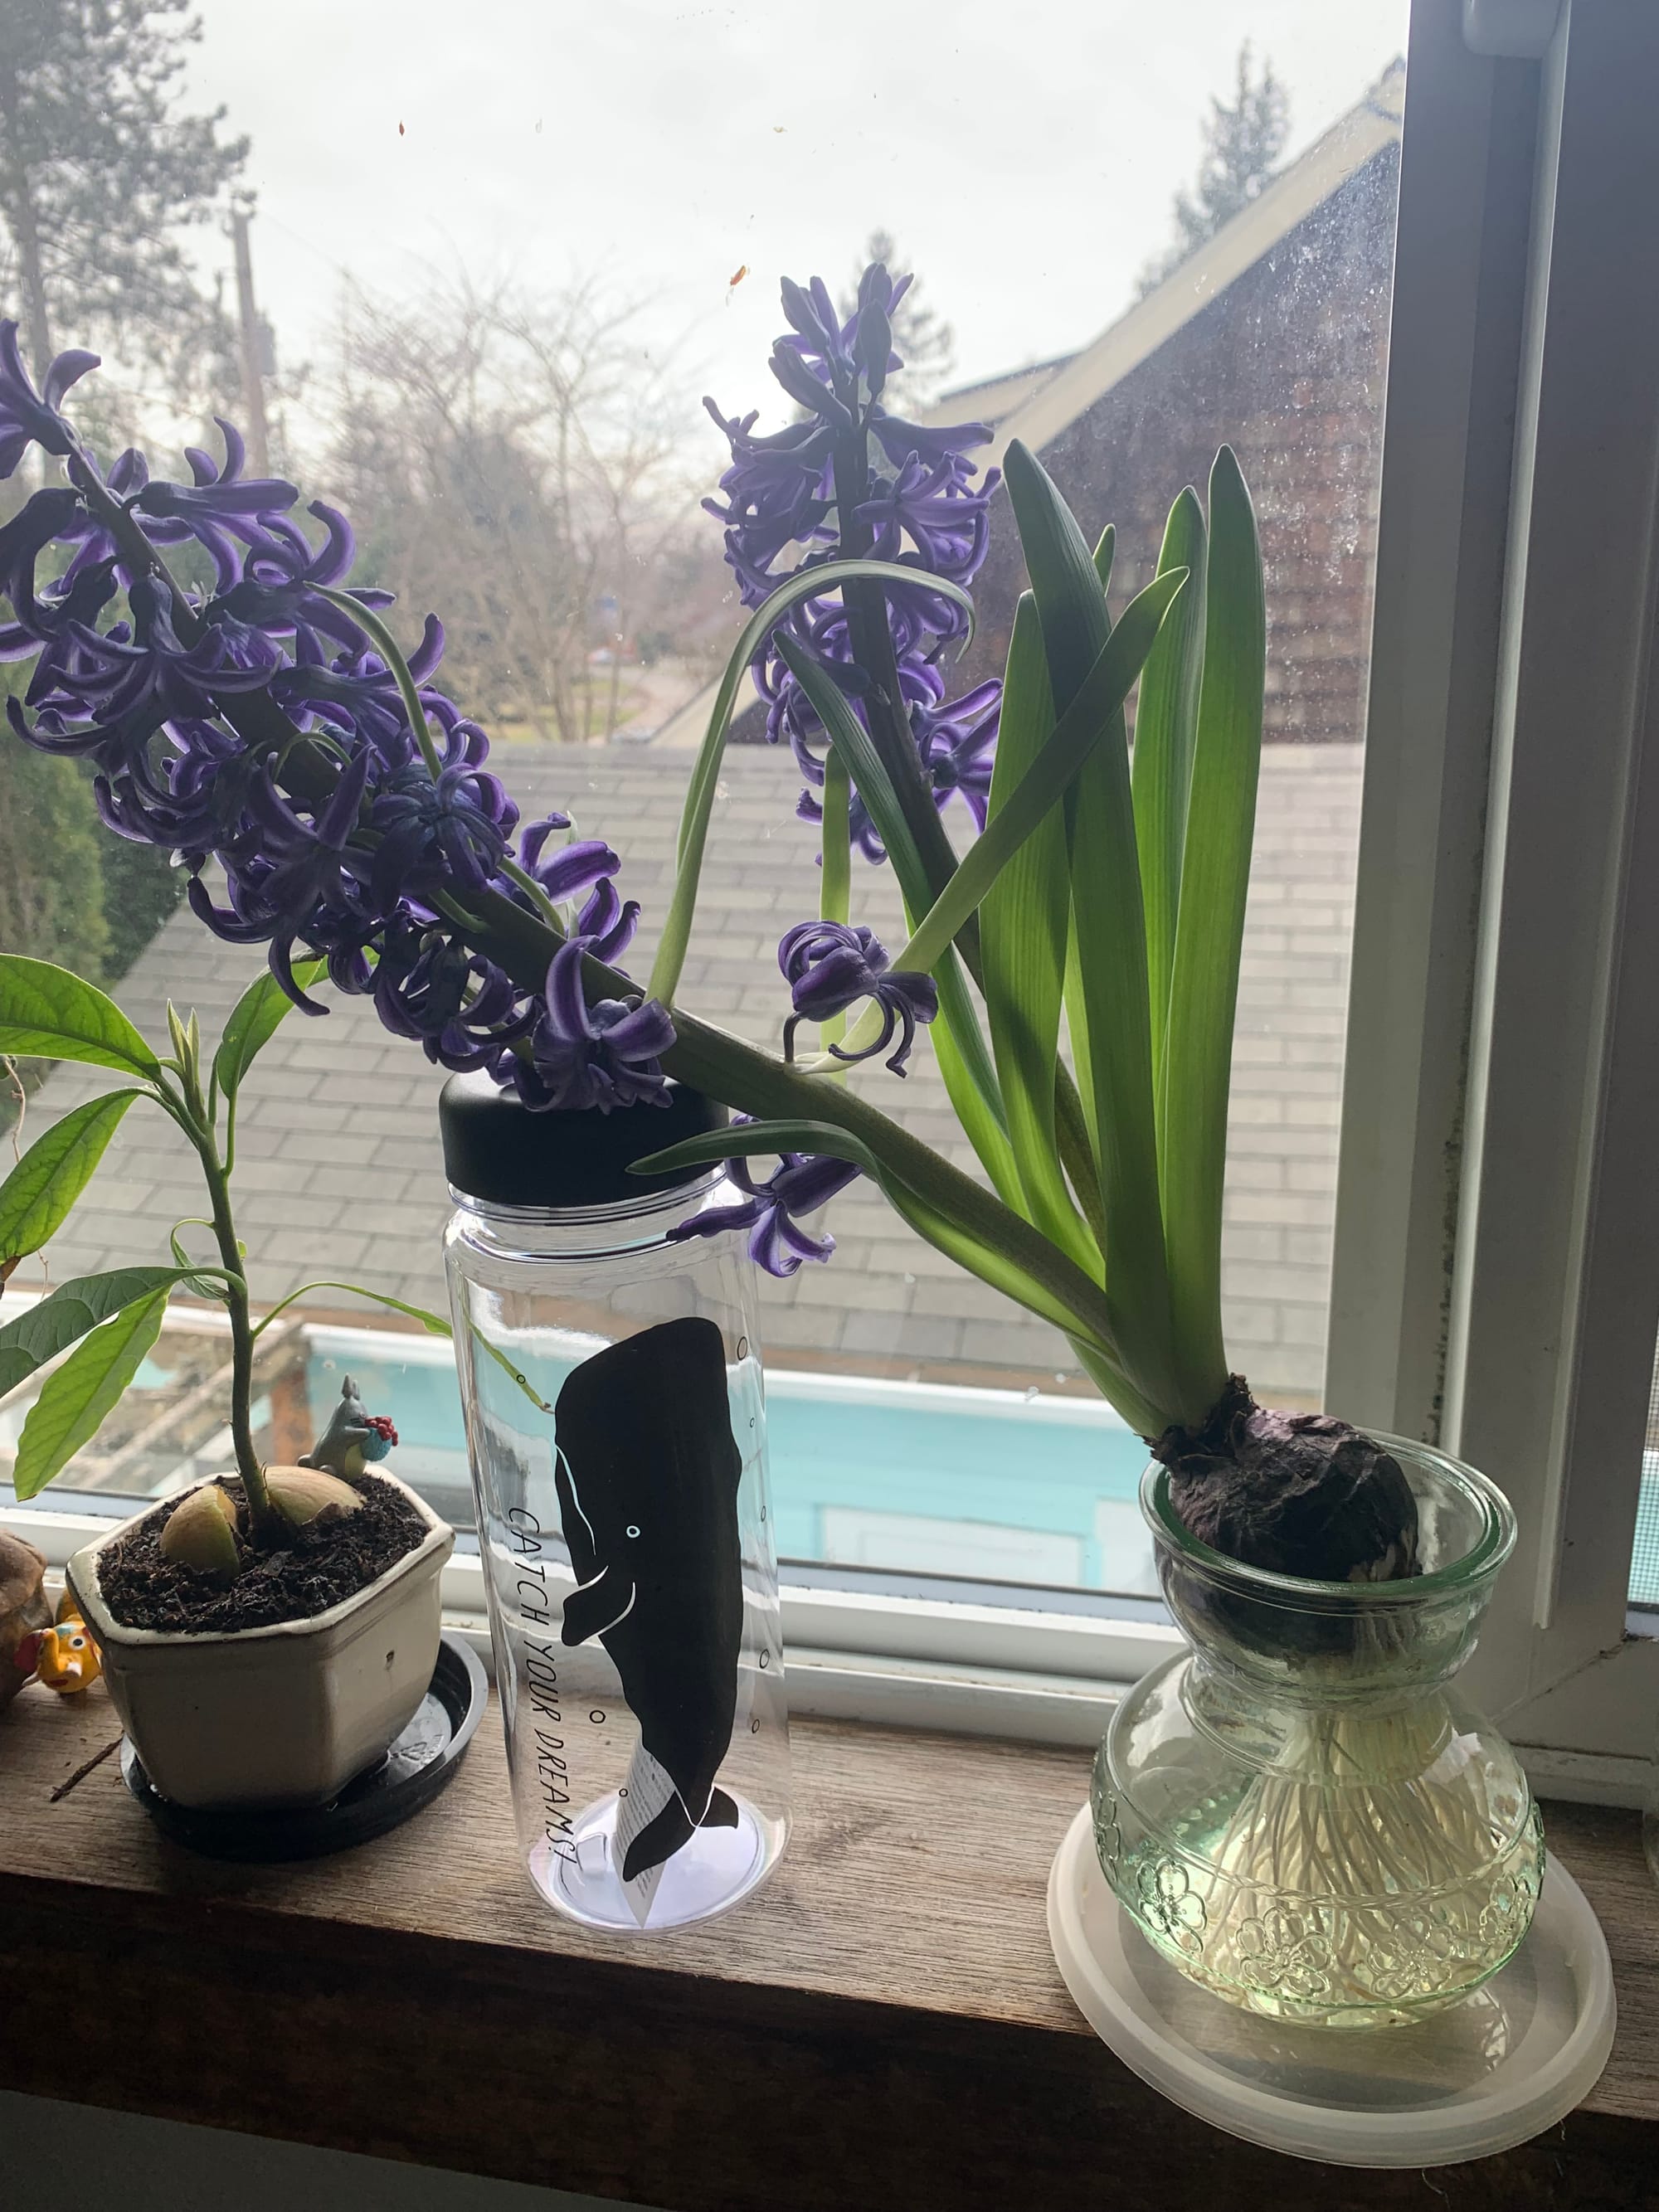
point(65, 1657)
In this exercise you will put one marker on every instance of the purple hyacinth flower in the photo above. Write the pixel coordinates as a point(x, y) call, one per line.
point(803, 1181)
point(147, 678)
point(606, 922)
point(938, 510)
point(957, 746)
point(605, 1054)
point(461, 1008)
point(829, 965)
point(452, 831)
point(28, 417)
point(300, 868)
point(850, 481)
point(571, 869)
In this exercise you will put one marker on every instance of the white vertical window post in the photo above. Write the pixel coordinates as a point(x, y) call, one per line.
point(1497, 1258)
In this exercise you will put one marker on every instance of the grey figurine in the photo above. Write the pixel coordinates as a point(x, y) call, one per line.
point(353, 1440)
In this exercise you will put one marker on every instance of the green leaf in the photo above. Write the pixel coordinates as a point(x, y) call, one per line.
point(390, 653)
point(1022, 919)
point(1011, 1255)
point(1166, 723)
point(813, 583)
point(434, 1324)
point(253, 1022)
point(198, 1286)
point(1108, 922)
point(744, 1140)
point(76, 1400)
point(836, 871)
point(44, 1331)
point(978, 1117)
point(836, 879)
point(46, 1013)
point(970, 1074)
point(39, 1195)
point(1215, 876)
point(1104, 553)
point(1066, 751)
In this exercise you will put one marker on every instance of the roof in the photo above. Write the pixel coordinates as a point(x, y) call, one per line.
point(1057, 401)
point(1036, 404)
point(339, 1173)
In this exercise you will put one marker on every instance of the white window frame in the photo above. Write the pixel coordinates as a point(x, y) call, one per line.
point(1496, 1280)
point(1497, 1268)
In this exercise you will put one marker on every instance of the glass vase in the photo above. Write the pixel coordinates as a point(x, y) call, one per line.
point(617, 1427)
point(1300, 1812)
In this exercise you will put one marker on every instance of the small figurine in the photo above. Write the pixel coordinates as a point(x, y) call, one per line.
point(24, 1611)
point(353, 1438)
point(65, 1657)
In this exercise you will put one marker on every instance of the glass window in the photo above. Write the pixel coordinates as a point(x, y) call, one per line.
point(479, 312)
point(1645, 1556)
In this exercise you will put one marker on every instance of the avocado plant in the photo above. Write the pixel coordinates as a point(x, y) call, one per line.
point(108, 1324)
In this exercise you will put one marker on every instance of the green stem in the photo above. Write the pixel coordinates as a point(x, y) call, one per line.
point(379, 635)
point(263, 1523)
point(836, 887)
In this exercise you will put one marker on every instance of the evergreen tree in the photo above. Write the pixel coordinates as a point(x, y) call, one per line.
point(926, 345)
point(70, 891)
point(99, 175)
point(1243, 143)
point(141, 889)
point(52, 864)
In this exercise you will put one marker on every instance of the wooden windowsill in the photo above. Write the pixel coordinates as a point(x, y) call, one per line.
point(881, 2027)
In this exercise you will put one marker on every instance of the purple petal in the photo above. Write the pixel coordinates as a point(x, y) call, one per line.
point(566, 1006)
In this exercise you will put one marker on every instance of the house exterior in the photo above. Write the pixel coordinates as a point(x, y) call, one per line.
point(1274, 336)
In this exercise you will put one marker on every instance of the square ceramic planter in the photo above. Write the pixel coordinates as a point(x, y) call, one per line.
point(279, 1716)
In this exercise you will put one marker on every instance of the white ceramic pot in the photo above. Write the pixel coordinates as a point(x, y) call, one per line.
point(279, 1716)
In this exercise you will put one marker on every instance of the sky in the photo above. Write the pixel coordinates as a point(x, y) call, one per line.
point(1024, 153)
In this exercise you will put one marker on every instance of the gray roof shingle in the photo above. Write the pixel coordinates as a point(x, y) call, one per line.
point(338, 1167)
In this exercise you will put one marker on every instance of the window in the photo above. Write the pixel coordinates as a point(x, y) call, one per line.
point(1414, 435)
point(1261, 317)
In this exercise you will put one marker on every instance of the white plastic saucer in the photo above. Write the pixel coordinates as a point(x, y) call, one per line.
point(1499, 2067)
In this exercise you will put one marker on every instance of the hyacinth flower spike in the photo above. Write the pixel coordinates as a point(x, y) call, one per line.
point(268, 726)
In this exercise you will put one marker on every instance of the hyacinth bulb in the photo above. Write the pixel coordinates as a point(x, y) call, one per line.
point(1300, 1494)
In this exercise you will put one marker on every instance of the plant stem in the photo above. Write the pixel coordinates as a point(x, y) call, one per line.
point(872, 639)
point(836, 886)
point(263, 1524)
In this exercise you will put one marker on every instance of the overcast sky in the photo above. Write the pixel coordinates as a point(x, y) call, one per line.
point(1023, 152)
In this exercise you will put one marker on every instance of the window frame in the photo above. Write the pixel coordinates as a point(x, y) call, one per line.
point(1496, 1282)
point(1520, 1349)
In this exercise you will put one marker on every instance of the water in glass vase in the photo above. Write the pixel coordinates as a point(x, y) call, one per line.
point(1298, 1812)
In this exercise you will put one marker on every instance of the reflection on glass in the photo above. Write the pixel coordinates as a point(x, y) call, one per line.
point(482, 317)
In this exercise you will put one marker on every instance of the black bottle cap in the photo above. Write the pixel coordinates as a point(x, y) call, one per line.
point(497, 1151)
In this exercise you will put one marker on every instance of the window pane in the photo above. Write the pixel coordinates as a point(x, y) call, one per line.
point(1644, 1558)
point(545, 271)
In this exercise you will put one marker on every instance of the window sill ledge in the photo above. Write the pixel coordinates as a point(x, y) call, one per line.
point(882, 2026)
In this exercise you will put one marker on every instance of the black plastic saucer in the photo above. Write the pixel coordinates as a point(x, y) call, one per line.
point(383, 1796)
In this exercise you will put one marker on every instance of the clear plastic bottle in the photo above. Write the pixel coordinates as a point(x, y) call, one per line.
point(615, 1422)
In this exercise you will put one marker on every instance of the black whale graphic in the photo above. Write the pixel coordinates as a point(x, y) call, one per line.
point(648, 1471)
